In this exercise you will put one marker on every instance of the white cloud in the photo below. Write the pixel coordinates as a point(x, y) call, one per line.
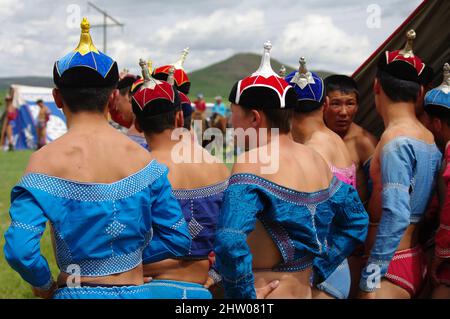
point(9, 7)
point(323, 44)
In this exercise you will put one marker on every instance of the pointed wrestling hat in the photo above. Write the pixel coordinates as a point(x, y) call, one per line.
point(404, 64)
point(181, 78)
point(153, 96)
point(264, 88)
point(308, 86)
point(85, 66)
point(439, 97)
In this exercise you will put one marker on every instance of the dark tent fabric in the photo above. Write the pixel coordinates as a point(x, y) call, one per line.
point(431, 21)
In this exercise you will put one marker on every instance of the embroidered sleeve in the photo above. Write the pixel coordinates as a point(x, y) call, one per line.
point(22, 239)
point(233, 258)
point(397, 163)
point(348, 230)
point(170, 231)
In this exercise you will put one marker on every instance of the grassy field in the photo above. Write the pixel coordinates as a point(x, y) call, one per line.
point(12, 166)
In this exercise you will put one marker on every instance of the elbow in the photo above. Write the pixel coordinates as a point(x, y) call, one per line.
point(228, 245)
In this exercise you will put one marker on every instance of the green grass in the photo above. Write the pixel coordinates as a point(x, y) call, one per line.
point(12, 165)
point(12, 286)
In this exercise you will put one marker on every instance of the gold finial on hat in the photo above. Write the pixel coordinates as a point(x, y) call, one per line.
point(407, 51)
point(179, 64)
point(171, 78)
point(282, 71)
point(85, 45)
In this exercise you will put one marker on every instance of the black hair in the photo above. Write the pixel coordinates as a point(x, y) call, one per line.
point(396, 89)
point(86, 99)
point(124, 91)
point(188, 122)
point(276, 118)
point(159, 117)
point(342, 83)
point(39, 101)
point(438, 111)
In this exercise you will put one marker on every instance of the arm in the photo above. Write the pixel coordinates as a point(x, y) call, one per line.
point(348, 230)
point(233, 257)
point(397, 163)
point(171, 236)
point(442, 239)
point(22, 240)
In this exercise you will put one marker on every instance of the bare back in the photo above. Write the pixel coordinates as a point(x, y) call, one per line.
point(193, 175)
point(331, 147)
point(97, 154)
point(301, 169)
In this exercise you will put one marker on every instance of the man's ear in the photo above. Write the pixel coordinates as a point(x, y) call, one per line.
point(437, 124)
point(326, 104)
point(421, 94)
point(179, 119)
point(256, 118)
point(376, 87)
point(137, 126)
point(58, 98)
point(112, 100)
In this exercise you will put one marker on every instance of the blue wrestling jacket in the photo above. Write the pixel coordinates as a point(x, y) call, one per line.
point(201, 209)
point(104, 229)
point(298, 223)
point(409, 169)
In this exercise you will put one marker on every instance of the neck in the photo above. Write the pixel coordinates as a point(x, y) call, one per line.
point(83, 120)
point(393, 112)
point(161, 141)
point(304, 125)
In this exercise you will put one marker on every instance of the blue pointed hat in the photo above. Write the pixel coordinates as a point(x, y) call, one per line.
point(308, 87)
point(85, 66)
point(439, 97)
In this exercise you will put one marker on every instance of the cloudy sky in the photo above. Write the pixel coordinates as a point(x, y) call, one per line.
point(335, 35)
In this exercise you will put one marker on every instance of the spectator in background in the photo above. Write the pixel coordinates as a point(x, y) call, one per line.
point(10, 122)
point(200, 104)
point(220, 114)
point(42, 120)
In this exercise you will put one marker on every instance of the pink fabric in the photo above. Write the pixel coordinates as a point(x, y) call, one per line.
point(346, 175)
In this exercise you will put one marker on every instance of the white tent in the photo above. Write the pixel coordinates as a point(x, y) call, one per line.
point(24, 100)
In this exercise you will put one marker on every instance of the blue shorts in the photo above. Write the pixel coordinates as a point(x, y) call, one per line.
point(122, 292)
point(338, 283)
point(171, 289)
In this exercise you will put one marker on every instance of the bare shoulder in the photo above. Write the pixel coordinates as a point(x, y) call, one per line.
point(48, 160)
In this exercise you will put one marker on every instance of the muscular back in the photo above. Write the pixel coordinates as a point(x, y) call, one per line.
point(192, 175)
point(331, 147)
point(97, 154)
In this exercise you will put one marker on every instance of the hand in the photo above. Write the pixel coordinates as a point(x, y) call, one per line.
point(147, 280)
point(366, 295)
point(209, 283)
point(435, 264)
point(45, 294)
point(262, 293)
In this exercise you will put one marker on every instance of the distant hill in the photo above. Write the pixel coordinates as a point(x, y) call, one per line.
point(26, 80)
point(217, 79)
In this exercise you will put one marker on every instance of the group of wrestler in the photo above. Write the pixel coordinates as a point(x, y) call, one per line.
point(127, 220)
